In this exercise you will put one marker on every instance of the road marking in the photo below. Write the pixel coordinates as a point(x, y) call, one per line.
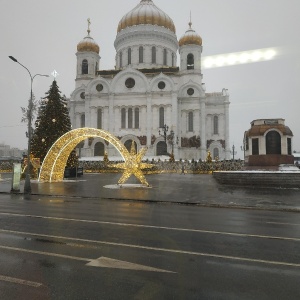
point(158, 227)
point(105, 262)
point(283, 223)
point(138, 247)
point(45, 253)
point(20, 281)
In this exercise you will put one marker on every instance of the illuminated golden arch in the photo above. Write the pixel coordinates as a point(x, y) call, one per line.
point(55, 161)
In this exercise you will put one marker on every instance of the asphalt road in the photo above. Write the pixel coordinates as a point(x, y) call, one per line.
point(75, 248)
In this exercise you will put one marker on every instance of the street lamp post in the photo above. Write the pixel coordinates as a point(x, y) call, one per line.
point(170, 137)
point(233, 151)
point(165, 130)
point(27, 185)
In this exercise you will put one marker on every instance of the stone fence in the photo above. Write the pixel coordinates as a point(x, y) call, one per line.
point(259, 178)
point(193, 167)
point(6, 166)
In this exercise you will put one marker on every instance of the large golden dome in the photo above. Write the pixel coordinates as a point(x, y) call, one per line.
point(146, 12)
point(191, 37)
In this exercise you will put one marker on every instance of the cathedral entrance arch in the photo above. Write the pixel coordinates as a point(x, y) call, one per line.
point(99, 149)
point(128, 144)
point(161, 148)
point(55, 161)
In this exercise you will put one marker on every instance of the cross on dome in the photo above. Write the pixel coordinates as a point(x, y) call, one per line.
point(89, 23)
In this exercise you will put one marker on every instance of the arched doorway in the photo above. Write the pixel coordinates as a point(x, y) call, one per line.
point(99, 149)
point(161, 148)
point(216, 154)
point(273, 142)
point(128, 144)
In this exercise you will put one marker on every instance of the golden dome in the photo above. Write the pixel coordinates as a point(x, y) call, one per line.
point(146, 12)
point(88, 44)
point(191, 37)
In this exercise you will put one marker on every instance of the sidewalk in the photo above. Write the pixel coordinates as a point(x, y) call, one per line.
point(186, 189)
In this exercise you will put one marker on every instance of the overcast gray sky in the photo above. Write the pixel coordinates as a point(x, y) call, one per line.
point(43, 36)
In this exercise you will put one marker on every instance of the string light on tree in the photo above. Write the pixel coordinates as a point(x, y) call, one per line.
point(52, 122)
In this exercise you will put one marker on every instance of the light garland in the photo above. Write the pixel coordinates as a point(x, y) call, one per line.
point(55, 161)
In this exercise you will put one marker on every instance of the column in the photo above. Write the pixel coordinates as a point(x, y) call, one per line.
point(77, 121)
point(203, 129)
point(87, 109)
point(106, 118)
point(149, 119)
point(174, 122)
point(72, 114)
point(94, 117)
point(227, 141)
point(111, 116)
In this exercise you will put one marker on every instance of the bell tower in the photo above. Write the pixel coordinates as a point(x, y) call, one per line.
point(88, 58)
point(190, 50)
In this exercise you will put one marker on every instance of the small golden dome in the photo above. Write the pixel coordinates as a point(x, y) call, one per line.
point(191, 37)
point(88, 44)
point(146, 12)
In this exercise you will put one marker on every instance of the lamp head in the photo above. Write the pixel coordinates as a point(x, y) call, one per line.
point(12, 58)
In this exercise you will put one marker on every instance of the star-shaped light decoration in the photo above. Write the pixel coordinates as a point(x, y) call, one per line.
point(54, 74)
point(133, 165)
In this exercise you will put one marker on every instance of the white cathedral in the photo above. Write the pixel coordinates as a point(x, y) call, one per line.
point(147, 98)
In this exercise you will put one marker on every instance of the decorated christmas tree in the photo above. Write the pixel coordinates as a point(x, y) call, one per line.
point(52, 122)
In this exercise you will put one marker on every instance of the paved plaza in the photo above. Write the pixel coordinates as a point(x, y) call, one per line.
point(187, 189)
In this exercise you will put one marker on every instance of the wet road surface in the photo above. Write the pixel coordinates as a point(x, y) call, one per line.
point(89, 248)
point(176, 188)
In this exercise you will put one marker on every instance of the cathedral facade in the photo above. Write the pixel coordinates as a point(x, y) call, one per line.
point(147, 98)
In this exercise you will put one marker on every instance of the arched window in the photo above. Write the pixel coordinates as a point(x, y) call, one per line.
point(289, 146)
point(96, 68)
point(161, 117)
point(141, 54)
point(173, 59)
point(273, 142)
point(82, 120)
point(129, 56)
point(136, 118)
point(165, 57)
point(130, 115)
point(216, 125)
point(123, 118)
point(190, 61)
point(85, 67)
point(99, 118)
point(255, 146)
point(154, 55)
point(99, 149)
point(190, 121)
point(161, 148)
point(216, 154)
point(121, 59)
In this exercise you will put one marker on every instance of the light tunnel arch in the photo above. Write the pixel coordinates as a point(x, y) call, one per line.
point(56, 159)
